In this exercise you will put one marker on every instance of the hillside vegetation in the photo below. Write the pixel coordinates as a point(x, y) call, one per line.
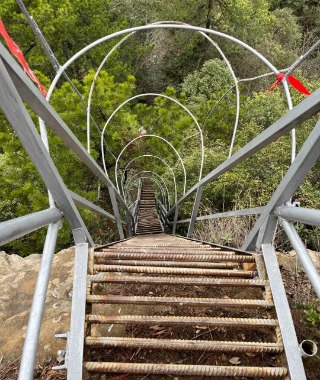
point(179, 64)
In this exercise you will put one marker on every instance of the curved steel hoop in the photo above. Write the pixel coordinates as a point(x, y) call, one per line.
point(163, 96)
point(159, 158)
point(158, 137)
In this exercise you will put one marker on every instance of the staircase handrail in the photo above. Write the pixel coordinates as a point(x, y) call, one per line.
point(301, 112)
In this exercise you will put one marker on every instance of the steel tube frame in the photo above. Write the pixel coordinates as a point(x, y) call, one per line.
point(162, 96)
point(284, 314)
point(176, 215)
point(303, 255)
point(19, 118)
point(263, 230)
point(172, 26)
point(213, 43)
point(18, 227)
point(76, 335)
point(158, 137)
point(93, 84)
point(166, 26)
point(159, 158)
point(227, 214)
point(158, 26)
point(301, 112)
point(195, 211)
point(41, 107)
point(83, 202)
point(299, 214)
point(26, 370)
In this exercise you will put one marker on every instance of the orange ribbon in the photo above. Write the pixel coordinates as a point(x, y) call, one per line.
point(295, 83)
point(16, 51)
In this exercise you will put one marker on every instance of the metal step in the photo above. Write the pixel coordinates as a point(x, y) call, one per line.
point(186, 370)
point(186, 281)
point(174, 256)
point(178, 301)
point(182, 271)
point(249, 323)
point(179, 344)
point(189, 264)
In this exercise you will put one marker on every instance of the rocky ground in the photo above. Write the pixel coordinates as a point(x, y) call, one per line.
point(18, 276)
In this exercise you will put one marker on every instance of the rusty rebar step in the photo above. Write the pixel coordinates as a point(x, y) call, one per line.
point(178, 301)
point(162, 320)
point(181, 344)
point(179, 247)
point(186, 281)
point(188, 264)
point(186, 370)
point(173, 256)
point(175, 271)
point(233, 300)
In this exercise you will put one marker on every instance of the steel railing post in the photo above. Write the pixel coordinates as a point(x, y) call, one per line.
point(129, 223)
point(176, 214)
point(26, 371)
point(284, 314)
point(74, 359)
point(302, 254)
point(195, 211)
point(116, 211)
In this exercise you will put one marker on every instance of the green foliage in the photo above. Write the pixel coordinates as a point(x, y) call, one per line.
point(202, 85)
point(312, 312)
point(179, 64)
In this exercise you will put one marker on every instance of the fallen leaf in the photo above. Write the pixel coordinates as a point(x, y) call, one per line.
point(235, 360)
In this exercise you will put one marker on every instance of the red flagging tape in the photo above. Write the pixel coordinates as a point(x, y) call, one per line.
point(16, 51)
point(295, 83)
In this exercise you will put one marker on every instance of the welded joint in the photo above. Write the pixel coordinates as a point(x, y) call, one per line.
point(277, 211)
point(64, 366)
point(79, 236)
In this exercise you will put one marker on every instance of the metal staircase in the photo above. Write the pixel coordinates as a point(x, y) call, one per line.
point(164, 305)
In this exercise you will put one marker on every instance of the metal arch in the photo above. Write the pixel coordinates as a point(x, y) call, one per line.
point(158, 137)
point(163, 182)
point(236, 87)
point(159, 158)
point(200, 130)
point(166, 97)
point(213, 43)
point(154, 173)
point(158, 26)
point(94, 82)
point(167, 26)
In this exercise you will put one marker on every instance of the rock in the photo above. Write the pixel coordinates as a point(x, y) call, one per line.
point(17, 281)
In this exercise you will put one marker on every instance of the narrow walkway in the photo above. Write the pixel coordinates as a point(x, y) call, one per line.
point(164, 305)
point(148, 218)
